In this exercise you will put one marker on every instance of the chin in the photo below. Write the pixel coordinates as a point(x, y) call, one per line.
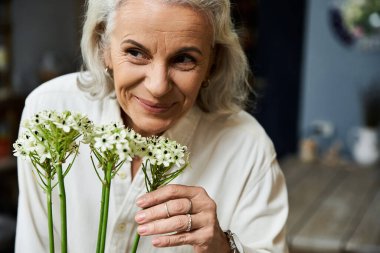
point(152, 127)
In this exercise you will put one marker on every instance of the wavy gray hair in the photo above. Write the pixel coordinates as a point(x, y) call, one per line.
point(228, 88)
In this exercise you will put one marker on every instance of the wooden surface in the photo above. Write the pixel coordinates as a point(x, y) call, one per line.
point(332, 208)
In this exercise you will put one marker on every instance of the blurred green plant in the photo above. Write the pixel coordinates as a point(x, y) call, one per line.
point(362, 17)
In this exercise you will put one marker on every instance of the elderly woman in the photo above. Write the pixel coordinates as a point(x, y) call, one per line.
point(173, 68)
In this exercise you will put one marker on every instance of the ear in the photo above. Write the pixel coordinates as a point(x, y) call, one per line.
point(107, 57)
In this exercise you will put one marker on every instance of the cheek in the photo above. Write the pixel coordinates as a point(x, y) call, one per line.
point(190, 94)
point(189, 86)
point(126, 76)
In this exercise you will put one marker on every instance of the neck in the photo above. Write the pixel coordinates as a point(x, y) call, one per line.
point(136, 163)
point(128, 122)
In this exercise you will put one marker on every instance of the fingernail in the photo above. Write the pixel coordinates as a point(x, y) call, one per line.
point(141, 229)
point(140, 216)
point(156, 241)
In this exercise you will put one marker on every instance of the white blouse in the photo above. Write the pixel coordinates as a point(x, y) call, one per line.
point(231, 157)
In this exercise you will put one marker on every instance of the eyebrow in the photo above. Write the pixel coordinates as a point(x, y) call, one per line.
point(187, 49)
point(182, 50)
point(133, 42)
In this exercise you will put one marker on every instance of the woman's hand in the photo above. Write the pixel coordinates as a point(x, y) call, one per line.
point(166, 211)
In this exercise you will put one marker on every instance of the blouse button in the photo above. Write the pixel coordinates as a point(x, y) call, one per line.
point(121, 227)
point(122, 175)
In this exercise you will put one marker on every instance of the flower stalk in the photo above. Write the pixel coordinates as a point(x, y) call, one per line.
point(62, 202)
point(111, 146)
point(49, 139)
point(50, 215)
point(105, 206)
point(164, 160)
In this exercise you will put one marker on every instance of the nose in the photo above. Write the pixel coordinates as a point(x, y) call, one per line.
point(158, 81)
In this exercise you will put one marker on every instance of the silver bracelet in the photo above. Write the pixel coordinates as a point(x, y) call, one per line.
point(231, 241)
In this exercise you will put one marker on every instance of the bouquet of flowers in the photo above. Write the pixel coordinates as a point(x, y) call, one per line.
point(52, 138)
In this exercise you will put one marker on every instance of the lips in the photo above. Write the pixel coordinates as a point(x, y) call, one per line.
point(154, 107)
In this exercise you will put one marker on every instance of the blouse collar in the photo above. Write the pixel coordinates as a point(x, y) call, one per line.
point(184, 130)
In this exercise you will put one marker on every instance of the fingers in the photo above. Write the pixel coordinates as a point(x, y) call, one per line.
point(203, 240)
point(166, 193)
point(171, 192)
point(164, 210)
point(182, 215)
point(174, 240)
point(179, 223)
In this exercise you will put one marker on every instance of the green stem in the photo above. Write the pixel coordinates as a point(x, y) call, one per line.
point(62, 197)
point(50, 215)
point(100, 229)
point(108, 178)
point(135, 243)
point(137, 237)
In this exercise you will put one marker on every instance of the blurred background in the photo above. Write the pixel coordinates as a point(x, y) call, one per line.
point(316, 66)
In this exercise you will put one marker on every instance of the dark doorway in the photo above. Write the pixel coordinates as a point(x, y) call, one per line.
point(275, 54)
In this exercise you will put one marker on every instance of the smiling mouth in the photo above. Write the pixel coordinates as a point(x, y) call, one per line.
point(154, 107)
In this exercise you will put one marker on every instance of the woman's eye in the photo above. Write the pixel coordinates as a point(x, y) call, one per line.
point(135, 53)
point(136, 56)
point(184, 62)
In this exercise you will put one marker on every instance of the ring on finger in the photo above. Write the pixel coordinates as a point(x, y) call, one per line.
point(167, 210)
point(190, 206)
point(189, 222)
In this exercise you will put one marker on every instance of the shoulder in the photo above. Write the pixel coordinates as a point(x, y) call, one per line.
point(62, 86)
point(62, 93)
point(240, 138)
point(59, 93)
point(238, 127)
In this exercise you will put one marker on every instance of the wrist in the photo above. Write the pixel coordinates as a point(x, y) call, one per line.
point(231, 241)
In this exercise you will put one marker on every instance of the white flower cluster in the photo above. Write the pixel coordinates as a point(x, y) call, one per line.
point(114, 139)
point(50, 135)
point(166, 152)
point(50, 138)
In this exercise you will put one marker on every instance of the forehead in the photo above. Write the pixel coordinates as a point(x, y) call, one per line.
point(152, 16)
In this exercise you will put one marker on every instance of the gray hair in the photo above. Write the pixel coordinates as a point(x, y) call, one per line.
point(228, 88)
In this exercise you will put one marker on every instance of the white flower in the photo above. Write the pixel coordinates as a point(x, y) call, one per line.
point(165, 152)
point(104, 143)
point(118, 137)
point(42, 152)
point(150, 157)
point(124, 151)
point(64, 124)
point(19, 149)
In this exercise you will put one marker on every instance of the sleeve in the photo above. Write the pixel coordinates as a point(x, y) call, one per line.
point(31, 231)
point(264, 209)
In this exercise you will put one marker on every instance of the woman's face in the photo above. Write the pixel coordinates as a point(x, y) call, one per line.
point(160, 54)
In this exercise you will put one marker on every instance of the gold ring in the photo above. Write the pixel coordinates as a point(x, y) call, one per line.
point(167, 210)
point(189, 222)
